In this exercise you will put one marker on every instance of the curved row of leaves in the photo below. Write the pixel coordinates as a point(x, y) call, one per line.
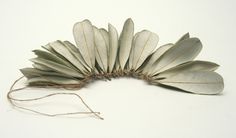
point(101, 51)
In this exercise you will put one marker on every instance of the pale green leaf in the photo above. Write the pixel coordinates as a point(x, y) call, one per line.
point(144, 44)
point(113, 46)
point(125, 42)
point(100, 49)
point(58, 67)
point(155, 56)
point(199, 82)
point(84, 38)
point(181, 52)
point(61, 49)
point(53, 80)
point(188, 66)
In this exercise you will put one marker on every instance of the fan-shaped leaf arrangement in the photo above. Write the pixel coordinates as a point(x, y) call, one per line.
point(103, 54)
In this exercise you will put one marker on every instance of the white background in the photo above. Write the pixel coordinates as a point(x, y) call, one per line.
point(131, 108)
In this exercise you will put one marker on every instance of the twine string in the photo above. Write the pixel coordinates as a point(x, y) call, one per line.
point(13, 101)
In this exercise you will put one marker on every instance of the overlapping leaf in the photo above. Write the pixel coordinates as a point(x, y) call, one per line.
point(188, 66)
point(84, 38)
point(184, 51)
point(52, 80)
point(155, 56)
point(131, 56)
point(62, 50)
point(58, 67)
point(101, 49)
point(200, 82)
point(125, 42)
point(144, 44)
point(113, 46)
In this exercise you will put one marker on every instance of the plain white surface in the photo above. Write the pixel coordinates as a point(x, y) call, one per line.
point(131, 108)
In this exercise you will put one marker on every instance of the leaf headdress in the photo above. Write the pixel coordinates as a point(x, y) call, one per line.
point(103, 54)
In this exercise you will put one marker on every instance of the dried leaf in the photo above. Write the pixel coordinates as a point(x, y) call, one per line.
point(76, 53)
point(61, 49)
point(100, 49)
point(33, 72)
point(199, 82)
point(131, 56)
point(188, 66)
point(155, 56)
point(113, 46)
point(125, 42)
point(144, 44)
point(53, 80)
point(105, 36)
point(181, 52)
point(84, 38)
point(57, 67)
point(53, 57)
point(41, 67)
